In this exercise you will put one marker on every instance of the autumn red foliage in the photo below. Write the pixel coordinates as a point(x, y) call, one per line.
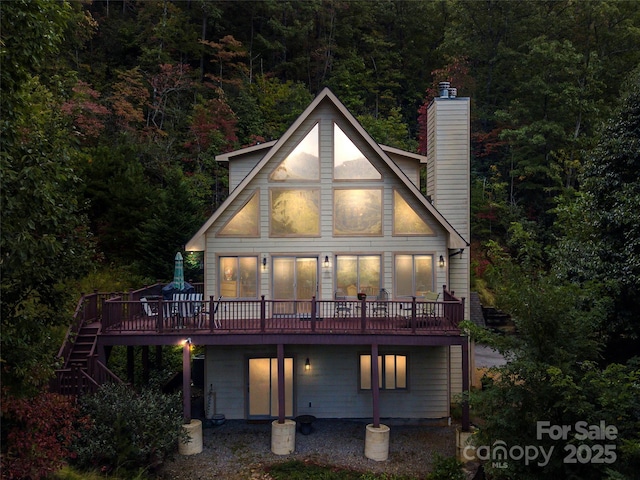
point(85, 111)
point(37, 433)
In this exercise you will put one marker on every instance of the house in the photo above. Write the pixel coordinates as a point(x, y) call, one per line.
point(333, 287)
point(326, 228)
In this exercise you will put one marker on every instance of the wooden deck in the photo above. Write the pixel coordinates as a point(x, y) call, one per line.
point(412, 317)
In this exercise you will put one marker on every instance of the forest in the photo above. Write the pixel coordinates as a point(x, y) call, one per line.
point(113, 112)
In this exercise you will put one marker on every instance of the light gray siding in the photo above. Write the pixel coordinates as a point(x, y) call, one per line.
point(241, 166)
point(330, 389)
point(455, 353)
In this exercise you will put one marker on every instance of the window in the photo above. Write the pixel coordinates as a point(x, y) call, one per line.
point(239, 277)
point(348, 161)
point(295, 212)
point(392, 372)
point(245, 222)
point(413, 275)
point(303, 163)
point(357, 211)
point(358, 274)
point(405, 219)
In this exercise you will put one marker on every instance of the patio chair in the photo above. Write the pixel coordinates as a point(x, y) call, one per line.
point(429, 310)
point(380, 306)
point(148, 309)
point(196, 308)
point(177, 310)
point(342, 307)
point(216, 321)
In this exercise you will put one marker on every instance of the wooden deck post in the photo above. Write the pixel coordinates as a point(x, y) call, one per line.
point(212, 316)
point(375, 387)
point(313, 313)
point(130, 365)
point(186, 381)
point(465, 384)
point(281, 397)
point(145, 364)
point(413, 315)
point(263, 314)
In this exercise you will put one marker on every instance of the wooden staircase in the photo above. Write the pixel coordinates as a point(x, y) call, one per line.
point(82, 372)
point(83, 347)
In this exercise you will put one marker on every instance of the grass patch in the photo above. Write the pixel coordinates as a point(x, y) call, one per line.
point(297, 470)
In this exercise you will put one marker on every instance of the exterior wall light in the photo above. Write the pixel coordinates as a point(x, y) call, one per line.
point(441, 261)
point(326, 261)
point(307, 365)
point(264, 263)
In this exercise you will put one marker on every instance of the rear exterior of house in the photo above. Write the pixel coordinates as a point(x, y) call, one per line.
point(325, 223)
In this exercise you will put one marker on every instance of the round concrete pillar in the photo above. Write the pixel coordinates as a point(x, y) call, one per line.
point(465, 448)
point(283, 437)
point(194, 443)
point(376, 443)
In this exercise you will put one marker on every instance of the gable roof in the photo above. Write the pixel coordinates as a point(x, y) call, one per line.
point(197, 242)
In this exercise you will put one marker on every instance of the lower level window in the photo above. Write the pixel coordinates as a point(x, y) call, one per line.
point(392, 372)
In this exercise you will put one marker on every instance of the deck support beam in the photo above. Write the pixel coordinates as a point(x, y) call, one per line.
point(465, 385)
point(130, 365)
point(281, 393)
point(145, 364)
point(375, 387)
point(186, 381)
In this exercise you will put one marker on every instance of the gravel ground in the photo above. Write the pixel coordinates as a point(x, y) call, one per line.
point(238, 450)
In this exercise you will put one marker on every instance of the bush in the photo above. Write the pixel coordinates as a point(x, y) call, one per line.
point(446, 468)
point(129, 431)
point(36, 435)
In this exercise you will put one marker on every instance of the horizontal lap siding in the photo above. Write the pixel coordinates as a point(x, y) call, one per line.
point(240, 167)
point(456, 371)
point(331, 385)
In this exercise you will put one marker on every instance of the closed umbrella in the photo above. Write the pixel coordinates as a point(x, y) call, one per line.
point(178, 273)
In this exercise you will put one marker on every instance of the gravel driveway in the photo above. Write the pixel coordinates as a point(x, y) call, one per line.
point(238, 450)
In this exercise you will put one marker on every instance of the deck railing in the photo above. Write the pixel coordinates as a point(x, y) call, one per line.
point(279, 316)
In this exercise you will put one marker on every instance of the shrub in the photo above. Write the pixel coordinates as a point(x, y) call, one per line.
point(130, 430)
point(446, 468)
point(37, 433)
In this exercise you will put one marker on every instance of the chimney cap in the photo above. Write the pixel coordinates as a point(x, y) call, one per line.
point(443, 87)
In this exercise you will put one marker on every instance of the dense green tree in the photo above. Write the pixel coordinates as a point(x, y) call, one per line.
point(390, 131)
point(167, 226)
point(542, 72)
point(601, 225)
point(553, 375)
point(279, 104)
point(115, 182)
point(44, 237)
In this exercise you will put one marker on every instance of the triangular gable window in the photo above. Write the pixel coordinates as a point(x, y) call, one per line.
point(406, 221)
point(348, 161)
point(245, 222)
point(303, 163)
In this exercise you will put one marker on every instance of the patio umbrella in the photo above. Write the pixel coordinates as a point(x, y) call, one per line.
point(178, 285)
point(178, 273)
